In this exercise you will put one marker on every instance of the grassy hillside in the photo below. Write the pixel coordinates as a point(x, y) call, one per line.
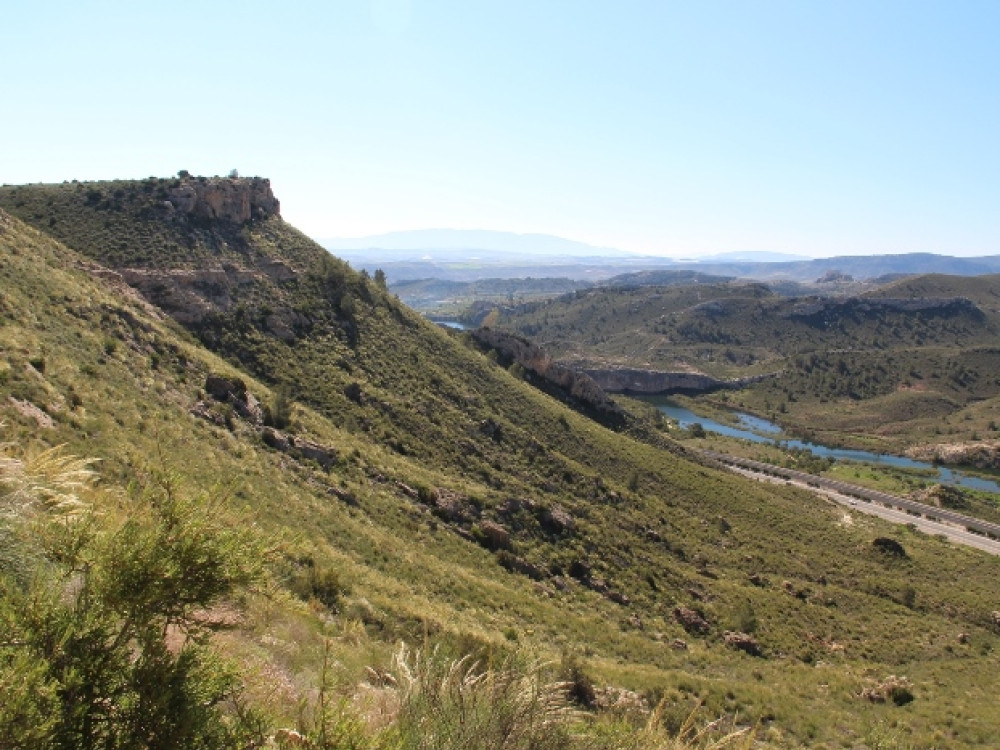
point(914, 361)
point(450, 502)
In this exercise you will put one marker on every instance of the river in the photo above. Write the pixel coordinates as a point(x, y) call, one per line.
point(760, 430)
point(449, 324)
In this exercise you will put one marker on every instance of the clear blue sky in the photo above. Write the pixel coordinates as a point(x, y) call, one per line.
point(676, 128)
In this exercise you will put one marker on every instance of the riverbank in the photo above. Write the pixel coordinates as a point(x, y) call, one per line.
point(953, 532)
point(752, 437)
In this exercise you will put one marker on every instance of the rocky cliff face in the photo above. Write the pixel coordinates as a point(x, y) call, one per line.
point(233, 199)
point(651, 382)
point(982, 455)
point(572, 386)
point(189, 295)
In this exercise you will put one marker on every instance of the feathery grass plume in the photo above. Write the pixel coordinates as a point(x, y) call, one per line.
point(48, 481)
point(690, 736)
point(457, 704)
point(51, 480)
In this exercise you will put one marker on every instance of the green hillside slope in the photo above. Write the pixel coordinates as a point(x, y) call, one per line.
point(415, 490)
point(912, 362)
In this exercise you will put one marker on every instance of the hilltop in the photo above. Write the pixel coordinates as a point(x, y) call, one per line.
point(413, 488)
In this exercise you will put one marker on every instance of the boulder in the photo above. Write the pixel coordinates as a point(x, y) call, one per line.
point(233, 391)
point(452, 506)
point(898, 690)
point(618, 598)
point(742, 642)
point(557, 520)
point(495, 535)
point(222, 388)
point(580, 570)
point(691, 620)
point(325, 457)
point(299, 447)
point(516, 564)
point(275, 439)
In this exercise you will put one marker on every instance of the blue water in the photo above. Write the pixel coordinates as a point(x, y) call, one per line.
point(760, 430)
point(450, 324)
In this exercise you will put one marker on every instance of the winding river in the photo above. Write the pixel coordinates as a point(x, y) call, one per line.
point(760, 430)
point(449, 324)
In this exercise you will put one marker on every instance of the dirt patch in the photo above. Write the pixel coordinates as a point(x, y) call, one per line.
point(29, 410)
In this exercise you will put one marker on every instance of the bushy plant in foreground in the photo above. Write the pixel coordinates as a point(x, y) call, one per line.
point(104, 644)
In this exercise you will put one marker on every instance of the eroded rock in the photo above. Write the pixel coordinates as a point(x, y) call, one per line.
point(237, 200)
point(494, 535)
point(691, 620)
point(742, 642)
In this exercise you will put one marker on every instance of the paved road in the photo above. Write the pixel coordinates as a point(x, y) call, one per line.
point(942, 522)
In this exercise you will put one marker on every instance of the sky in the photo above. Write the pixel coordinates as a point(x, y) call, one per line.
point(671, 128)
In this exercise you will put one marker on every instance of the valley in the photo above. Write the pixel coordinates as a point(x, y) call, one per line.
point(900, 368)
point(394, 482)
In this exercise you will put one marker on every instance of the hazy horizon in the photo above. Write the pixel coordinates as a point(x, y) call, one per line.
point(669, 129)
point(406, 240)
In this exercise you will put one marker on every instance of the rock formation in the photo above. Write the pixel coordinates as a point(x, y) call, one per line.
point(651, 382)
point(981, 454)
point(742, 642)
point(233, 199)
point(691, 620)
point(563, 382)
point(232, 392)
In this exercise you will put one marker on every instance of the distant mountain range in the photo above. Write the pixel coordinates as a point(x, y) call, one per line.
point(757, 256)
point(472, 255)
point(460, 244)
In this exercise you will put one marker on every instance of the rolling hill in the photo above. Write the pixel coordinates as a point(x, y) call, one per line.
point(407, 487)
point(893, 365)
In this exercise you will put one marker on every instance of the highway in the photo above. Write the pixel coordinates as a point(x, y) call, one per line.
point(972, 532)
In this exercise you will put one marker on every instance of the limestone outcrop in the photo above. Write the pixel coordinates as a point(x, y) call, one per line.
point(233, 199)
point(563, 382)
point(742, 642)
point(983, 454)
point(651, 382)
point(691, 620)
point(189, 294)
point(232, 393)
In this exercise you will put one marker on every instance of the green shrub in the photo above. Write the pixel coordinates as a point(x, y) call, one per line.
point(319, 583)
point(279, 413)
point(579, 686)
point(91, 625)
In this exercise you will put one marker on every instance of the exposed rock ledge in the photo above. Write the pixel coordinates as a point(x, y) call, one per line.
point(233, 393)
point(189, 294)
point(651, 382)
point(232, 199)
point(984, 454)
point(568, 385)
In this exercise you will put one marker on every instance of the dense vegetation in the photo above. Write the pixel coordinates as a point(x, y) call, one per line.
point(401, 485)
